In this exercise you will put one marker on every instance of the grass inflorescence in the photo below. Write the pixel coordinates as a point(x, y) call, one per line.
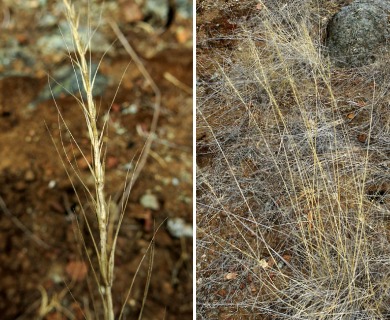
point(107, 211)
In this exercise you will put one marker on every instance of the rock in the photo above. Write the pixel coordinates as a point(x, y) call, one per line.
point(150, 201)
point(67, 81)
point(131, 12)
point(48, 20)
point(156, 12)
point(11, 53)
point(29, 176)
point(358, 34)
point(178, 228)
point(60, 41)
point(184, 8)
point(56, 272)
point(159, 12)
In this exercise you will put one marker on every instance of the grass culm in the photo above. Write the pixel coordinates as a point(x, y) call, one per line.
point(108, 211)
point(105, 253)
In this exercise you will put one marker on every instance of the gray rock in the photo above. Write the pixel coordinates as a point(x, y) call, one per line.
point(66, 81)
point(150, 201)
point(10, 52)
point(60, 41)
point(184, 8)
point(157, 12)
point(48, 20)
point(178, 228)
point(359, 33)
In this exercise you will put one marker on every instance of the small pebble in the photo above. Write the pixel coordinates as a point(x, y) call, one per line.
point(178, 228)
point(67, 80)
point(52, 184)
point(131, 109)
point(29, 176)
point(150, 201)
point(127, 166)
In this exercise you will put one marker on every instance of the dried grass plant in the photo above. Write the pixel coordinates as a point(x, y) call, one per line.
point(287, 226)
point(109, 211)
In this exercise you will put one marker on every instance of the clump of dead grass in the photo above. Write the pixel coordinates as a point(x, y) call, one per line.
point(283, 203)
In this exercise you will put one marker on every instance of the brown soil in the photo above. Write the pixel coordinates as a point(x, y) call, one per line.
point(40, 251)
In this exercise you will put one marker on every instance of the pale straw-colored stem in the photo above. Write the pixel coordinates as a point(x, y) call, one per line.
point(98, 170)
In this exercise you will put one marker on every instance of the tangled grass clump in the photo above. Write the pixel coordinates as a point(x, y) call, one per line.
point(293, 146)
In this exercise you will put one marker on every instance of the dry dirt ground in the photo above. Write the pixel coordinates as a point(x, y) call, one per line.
point(40, 256)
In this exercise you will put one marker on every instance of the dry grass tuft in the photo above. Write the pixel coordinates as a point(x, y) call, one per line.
point(293, 147)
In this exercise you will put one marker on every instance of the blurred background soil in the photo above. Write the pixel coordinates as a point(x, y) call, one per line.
point(44, 271)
